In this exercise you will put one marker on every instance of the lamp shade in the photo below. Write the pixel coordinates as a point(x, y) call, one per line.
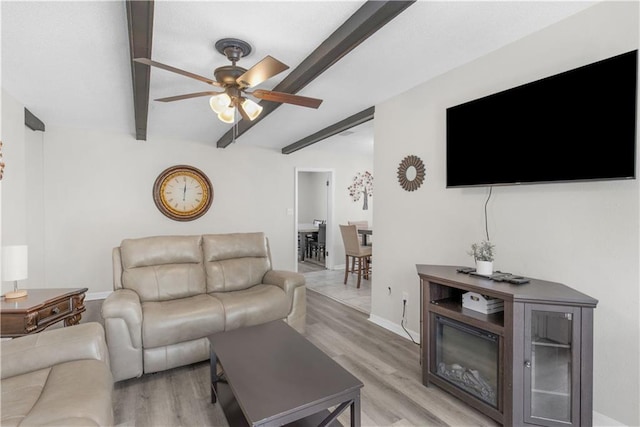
point(14, 262)
point(219, 103)
point(252, 109)
point(227, 115)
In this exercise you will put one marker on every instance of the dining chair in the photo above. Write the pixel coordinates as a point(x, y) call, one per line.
point(359, 225)
point(318, 246)
point(312, 237)
point(360, 255)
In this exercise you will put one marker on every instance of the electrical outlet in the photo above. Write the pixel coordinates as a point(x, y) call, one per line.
point(405, 296)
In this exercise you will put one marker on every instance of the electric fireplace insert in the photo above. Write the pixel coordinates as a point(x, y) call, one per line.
point(468, 358)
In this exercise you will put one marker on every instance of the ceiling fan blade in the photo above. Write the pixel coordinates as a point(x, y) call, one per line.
point(176, 70)
point(287, 98)
point(263, 70)
point(187, 96)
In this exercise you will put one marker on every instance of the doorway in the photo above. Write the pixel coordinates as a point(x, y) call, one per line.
point(313, 210)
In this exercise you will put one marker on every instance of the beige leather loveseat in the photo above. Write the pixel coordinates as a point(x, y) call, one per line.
point(58, 377)
point(171, 292)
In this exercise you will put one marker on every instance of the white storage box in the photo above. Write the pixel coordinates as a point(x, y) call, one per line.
point(482, 303)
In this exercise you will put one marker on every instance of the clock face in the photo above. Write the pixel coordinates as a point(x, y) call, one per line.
point(183, 193)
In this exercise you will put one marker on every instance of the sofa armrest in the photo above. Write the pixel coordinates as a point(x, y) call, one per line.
point(122, 313)
point(38, 351)
point(125, 304)
point(287, 280)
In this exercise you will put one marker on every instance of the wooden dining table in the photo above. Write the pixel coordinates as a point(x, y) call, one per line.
point(365, 232)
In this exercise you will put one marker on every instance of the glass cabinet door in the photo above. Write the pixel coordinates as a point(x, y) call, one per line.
point(551, 371)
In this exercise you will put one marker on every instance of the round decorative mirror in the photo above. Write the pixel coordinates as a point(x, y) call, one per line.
point(411, 173)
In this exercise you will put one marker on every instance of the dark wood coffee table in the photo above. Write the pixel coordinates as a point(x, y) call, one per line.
point(273, 376)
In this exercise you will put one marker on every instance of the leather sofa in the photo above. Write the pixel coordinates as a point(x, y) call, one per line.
point(171, 292)
point(57, 377)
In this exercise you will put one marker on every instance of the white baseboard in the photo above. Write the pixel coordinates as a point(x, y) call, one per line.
point(92, 296)
point(601, 420)
point(394, 327)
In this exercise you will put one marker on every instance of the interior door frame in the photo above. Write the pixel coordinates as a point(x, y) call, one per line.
point(329, 261)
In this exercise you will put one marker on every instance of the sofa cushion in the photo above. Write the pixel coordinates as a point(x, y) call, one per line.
point(71, 393)
point(180, 320)
point(235, 261)
point(38, 351)
point(163, 268)
point(253, 306)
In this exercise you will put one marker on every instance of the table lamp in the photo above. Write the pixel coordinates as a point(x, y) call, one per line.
point(14, 268)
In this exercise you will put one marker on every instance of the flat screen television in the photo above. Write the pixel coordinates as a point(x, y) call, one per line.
point(575, 126)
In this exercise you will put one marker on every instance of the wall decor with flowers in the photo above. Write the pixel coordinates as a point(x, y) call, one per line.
point(362, 186)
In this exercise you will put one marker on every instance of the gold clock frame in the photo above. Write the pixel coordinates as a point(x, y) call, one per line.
point(165, 207)
point(405, 164)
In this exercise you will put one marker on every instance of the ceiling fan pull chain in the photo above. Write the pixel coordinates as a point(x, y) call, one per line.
point(235, 126)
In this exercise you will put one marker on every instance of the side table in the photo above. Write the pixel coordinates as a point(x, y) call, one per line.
point(40, 309)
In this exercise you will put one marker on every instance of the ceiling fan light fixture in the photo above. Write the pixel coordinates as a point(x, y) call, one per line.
point(252, 109)
point(220, 103)
point(227, 115)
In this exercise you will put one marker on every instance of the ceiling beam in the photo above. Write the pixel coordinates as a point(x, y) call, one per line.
point(140, 26)
point(341, 126)
point(32, 122)
point(372, 16)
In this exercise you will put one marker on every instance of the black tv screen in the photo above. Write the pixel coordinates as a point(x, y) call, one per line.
point(575, 126)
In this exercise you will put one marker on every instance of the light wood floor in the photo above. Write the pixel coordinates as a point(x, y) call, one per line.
point(330, 283)
point(309, 265)
point(386, 363)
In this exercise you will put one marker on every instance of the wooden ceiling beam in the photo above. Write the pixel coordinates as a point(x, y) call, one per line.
point(32, 122)
point(352, 121)
point(368, 19)
point(140, 26)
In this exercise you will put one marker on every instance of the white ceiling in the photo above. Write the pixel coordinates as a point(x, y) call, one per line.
point(68, 61)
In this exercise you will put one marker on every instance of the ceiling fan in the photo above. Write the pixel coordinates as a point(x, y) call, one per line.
point(235, 81)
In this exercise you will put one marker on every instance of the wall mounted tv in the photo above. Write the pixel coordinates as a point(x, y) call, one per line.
point(575, 126)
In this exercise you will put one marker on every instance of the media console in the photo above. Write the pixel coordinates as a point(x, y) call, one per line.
point(531, 364)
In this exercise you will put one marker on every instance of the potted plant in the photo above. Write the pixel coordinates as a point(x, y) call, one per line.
point(483, 253)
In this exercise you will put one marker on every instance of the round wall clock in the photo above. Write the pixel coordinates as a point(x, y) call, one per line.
point(183, 193)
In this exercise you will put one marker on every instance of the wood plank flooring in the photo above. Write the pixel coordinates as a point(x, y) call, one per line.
point(309, 265)
point(330, 283)
point(386, 363)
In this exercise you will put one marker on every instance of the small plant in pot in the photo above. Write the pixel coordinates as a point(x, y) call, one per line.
point(483, 253)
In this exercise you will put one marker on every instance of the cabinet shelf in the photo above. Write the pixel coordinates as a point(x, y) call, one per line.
point(546, 343)
point(553, 393)
point(452, 308)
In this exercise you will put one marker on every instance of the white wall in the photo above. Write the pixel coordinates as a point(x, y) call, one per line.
point(312, 196)
point(14, 195)
point(585, 235)
point(97, 191)
point(22, 198)
point(35, 214)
